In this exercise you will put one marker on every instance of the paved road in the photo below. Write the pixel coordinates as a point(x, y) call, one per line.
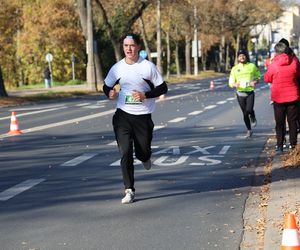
point(60, 183)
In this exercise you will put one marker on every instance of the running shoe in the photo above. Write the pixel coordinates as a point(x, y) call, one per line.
point(248, 134)
point(253, 121)
point(129, 196)
point(147, 164)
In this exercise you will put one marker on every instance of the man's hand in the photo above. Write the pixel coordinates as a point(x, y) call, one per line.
point(112, 94)
point(253, 83)
point(236, 84)
point(139, 96)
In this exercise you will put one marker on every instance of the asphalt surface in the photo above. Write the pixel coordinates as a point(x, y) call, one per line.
point(283, 196)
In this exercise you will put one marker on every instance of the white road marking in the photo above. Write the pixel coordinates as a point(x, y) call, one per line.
point(38, 108)
point(34, 112)
point(224, 150)
point(210, 107)
point(221, 102)
point(230, 98)
point(197, 112)
point(78, 160)
point(19, 188)
point(159, 127)
point(57, 124)
point(178, 119)
point(94, 106)
point(82, 104)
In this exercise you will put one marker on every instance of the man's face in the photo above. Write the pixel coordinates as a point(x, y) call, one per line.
point(242, 58)
point(131, 49)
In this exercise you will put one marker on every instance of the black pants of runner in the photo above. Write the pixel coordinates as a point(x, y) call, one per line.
point(247, 106)
point(132, 130)
point(283, 111)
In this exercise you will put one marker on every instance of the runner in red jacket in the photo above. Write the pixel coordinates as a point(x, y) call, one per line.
point(283, 73)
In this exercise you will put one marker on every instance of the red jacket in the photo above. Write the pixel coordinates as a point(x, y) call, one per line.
point(283, 73)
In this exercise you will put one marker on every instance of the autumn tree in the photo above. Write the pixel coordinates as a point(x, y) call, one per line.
point(51, 26)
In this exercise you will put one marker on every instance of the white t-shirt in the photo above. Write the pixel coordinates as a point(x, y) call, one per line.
point(131, 77)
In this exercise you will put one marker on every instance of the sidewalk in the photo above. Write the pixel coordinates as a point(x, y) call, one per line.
point(284, 198)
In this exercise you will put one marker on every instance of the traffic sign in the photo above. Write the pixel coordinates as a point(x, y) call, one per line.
point(49, 57)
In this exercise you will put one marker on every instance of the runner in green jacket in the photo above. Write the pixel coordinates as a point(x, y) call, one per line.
point(244, 76)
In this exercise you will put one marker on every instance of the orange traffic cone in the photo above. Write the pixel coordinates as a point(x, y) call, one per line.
point(14, 125)
point(290, 235)
point(212, 85)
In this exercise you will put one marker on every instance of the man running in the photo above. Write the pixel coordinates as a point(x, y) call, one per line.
point(244, 76)
point(140, 83)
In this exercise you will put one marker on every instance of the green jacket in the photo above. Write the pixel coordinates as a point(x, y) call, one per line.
point(244, 74)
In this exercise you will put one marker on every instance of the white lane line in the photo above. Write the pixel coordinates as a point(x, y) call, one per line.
point(19, 188)
point(231, 99)
point(210, 107)
point(178, 119)
point(57, 124)
point(82, 104)
point(157, 127)
point(197, 112)
point(76, 161)
point(34, 112)
point(94, 106)
point(38, 108)
point(221, 102)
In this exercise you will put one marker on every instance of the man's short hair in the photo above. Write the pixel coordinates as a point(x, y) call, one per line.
point(133, 36)
point(281, 48)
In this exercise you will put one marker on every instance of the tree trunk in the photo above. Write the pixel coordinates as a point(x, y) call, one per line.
point(187, 55)
point(145, 40)
point(237, 47)
point(3, 92)
point(168, 54)
point(98, 66)
point(178, 70)
point(196, 42)
point(158, 39)
point(227, 58)
point(82, 10)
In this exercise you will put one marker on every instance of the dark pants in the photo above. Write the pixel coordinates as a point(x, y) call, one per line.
point(132, 130)
point(283, 111)
point(247, 104)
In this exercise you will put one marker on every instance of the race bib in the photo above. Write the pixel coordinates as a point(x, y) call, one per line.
point(244, 84)
point(130, 100)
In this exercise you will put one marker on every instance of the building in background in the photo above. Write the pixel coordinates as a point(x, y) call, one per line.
point(287, 26)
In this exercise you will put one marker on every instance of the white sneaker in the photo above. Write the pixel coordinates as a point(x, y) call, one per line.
point(253, 121)
point(249, 134)
point(129, 196)
point(147, 164)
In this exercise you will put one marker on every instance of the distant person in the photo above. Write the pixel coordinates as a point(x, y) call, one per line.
point(140, 83)
point(283, 74)
point(244, 76)
point(47, 77)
